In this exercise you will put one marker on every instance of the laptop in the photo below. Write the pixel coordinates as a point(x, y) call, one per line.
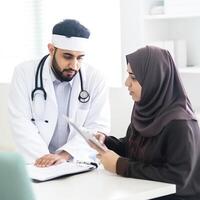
point(14, 181)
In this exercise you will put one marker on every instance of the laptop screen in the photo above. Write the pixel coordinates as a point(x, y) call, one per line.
point(14, 181)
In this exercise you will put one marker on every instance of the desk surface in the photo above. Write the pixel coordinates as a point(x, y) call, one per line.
point(100, 184)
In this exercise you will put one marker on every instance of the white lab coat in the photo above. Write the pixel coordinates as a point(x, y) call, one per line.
point(32, 138)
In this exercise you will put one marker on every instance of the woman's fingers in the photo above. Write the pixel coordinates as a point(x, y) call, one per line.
point(97, 148)
point(100, 137)
point(99, 156)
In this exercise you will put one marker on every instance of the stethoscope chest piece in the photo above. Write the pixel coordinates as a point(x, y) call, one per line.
point(84, 96)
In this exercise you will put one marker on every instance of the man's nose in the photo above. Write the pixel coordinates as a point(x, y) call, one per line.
point(74, 64)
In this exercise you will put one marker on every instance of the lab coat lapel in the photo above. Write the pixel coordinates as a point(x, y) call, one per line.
point(48, 84)
point(74, 102)
point(51, 103)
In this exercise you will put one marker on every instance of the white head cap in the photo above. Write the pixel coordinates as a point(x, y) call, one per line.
point(70, 43)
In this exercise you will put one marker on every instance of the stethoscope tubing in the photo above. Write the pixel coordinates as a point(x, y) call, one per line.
point(83, 97)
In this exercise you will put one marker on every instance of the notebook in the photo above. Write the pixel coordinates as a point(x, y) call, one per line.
point(60, 170)
point(14, 181)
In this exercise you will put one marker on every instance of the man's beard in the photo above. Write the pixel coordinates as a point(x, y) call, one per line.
point(59, 74)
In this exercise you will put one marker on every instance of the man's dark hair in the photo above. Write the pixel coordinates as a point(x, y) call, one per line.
point(71, 28)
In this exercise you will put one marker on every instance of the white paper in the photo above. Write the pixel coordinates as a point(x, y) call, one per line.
point(54, 171)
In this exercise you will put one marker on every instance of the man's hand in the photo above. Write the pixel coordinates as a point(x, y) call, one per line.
point(52, 159)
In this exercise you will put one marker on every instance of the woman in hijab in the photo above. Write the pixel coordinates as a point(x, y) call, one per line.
point(163, 139)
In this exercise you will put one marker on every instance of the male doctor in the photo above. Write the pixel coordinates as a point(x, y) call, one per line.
point(43, 91)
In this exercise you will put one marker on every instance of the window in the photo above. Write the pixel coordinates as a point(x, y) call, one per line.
point(27, 32)
point(17, 19)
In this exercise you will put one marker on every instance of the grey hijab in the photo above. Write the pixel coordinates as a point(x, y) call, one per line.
point(163, 97)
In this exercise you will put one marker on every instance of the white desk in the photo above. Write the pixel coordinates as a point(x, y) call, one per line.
point(100, 185)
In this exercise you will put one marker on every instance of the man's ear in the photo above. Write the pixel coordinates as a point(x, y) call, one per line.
point(51, 49)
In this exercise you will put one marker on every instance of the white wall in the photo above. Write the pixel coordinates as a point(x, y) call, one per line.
point(121, 108)
point(6, 142)
point(191, 82)
point(131, 29)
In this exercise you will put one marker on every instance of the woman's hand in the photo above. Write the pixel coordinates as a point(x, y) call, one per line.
point(109, 160)
point(107, 157)
point(101, 138)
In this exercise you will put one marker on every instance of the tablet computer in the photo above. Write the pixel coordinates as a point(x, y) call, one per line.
point(85, 133)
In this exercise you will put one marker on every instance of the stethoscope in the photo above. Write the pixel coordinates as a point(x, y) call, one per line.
point(83, 96)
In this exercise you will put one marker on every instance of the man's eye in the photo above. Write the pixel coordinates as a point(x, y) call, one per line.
point(67, 57)
point(81, 58)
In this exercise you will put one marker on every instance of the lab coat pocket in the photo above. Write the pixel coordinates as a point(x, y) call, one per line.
point(41, 125)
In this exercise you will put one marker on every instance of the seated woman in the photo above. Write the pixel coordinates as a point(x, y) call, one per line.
point(163, 139)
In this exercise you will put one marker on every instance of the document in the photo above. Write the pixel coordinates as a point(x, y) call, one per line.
point(55, 171)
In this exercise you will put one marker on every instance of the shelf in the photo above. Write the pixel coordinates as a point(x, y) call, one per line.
point(175, 29)
point(189, 70)
point(164, 16)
